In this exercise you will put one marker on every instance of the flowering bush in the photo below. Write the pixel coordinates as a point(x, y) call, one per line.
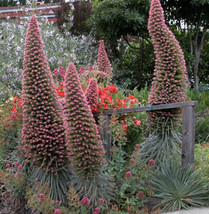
point(59, 48)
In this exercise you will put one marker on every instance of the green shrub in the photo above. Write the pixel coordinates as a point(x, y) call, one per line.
point(202, 130)
point(201, 97)
point(202, 159)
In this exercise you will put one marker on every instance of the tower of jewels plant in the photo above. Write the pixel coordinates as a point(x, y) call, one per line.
point(86, 148)
point(92, 93)
point(103, 61)
point(168, 86)
point(43, 135)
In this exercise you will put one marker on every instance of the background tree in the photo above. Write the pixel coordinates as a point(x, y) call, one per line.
point(113, 19)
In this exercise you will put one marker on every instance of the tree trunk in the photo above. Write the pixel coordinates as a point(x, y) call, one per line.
point(196, 67)
point(197, 47)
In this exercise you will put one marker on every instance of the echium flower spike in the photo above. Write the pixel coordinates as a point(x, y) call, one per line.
point(92, 93)
point(170, 76)
point(103, 61)
point(43, 134)
point(86, 148)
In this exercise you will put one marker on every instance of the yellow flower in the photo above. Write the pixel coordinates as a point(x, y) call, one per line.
point(203, 149)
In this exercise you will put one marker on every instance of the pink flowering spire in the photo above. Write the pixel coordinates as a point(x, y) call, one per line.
point(82, 70)
point(170, 76)
point(87, 150)
point(103, 60)
point(43, 134)
point(92, 93)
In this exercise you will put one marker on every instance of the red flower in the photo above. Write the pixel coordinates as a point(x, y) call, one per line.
point(138, 122)
point(42, 196)
point(20, 103)
point(57, 211)
point(57, 203)
point(85, 202)
point(125, 128)
point(13, 116)
point(14, 110)
point(96, 211)
point(8, 165)
point(151, 163)
point(111, 89)
point(15, 99)
point(20, 168)
point(60, 93)
point(101, 201)
point(140, 194)
point(94, 109)
point(128, 175)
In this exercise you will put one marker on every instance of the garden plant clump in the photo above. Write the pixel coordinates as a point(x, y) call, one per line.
point(54, 156)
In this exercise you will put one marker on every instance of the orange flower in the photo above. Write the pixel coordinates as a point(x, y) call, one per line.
point(14, 110)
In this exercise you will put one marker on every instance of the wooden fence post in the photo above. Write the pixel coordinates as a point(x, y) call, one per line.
point(107, 135)
point(188, 135)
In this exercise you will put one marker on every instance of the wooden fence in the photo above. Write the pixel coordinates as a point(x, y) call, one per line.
point(188, 130)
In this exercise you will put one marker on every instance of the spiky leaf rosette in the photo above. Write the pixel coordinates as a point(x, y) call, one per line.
point(94, 188)
point(103, 61)
point(86, 147)
point(163, 143)
point(43, 135)
point(170, 76)
point(92, 93)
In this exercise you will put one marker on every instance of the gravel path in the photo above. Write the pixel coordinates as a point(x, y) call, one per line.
point(191, 211)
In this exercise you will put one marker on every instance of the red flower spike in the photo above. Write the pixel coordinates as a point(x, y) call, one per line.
point(92, 93)
point(82, 135)
point(43, 130)
point(103, 60)
point(170, 75)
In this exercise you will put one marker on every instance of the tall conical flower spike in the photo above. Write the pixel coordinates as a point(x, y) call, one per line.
point(43, 135)
point(92, 93)
point(86, 147)
point(170, 76)
point(103, 61)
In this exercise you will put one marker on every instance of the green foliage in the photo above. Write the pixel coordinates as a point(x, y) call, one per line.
point(202, 130)
point(179, 187)
point(201, 153)
point(202, 114)
point(135, 67)
point(201, 97)
point(131, 178)
point(113, 19)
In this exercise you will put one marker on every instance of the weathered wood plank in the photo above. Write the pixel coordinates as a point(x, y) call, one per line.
point(107, 136)
point(188, 135)
point(154, 108)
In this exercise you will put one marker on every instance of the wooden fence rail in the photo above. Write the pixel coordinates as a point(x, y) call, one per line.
point(188, 130)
